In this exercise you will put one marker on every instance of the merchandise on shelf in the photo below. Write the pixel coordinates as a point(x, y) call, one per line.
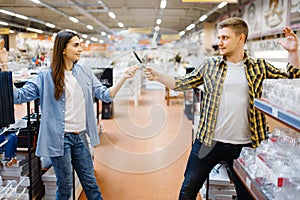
point(284, 93)
point(274, 164)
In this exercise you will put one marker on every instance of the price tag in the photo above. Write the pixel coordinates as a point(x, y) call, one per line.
point(248, 182)
point(275, 112)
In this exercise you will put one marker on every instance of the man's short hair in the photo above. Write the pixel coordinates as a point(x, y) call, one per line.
point(238, 25)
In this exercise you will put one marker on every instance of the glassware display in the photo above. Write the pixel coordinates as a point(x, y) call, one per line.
point(275, 164)
point(284, 93)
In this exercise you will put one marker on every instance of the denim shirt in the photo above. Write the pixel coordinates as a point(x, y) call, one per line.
point(52, 127)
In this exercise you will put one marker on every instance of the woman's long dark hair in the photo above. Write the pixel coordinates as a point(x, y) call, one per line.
point(57, 63)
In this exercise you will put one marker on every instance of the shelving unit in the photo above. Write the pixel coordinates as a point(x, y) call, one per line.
point(252, 185)
point(287, 118)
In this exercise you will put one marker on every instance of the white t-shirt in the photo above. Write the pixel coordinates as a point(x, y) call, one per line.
point(232, 124)
point(75, 118)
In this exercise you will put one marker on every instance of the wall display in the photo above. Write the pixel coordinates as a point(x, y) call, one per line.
point(274, 15)
point(295, 12)
point(252, 15)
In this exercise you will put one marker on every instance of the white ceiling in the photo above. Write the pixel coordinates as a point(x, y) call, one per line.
point(133, 13)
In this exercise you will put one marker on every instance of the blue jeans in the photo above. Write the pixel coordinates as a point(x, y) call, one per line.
point(76, 154)
point(202, 160)
point(10, 148)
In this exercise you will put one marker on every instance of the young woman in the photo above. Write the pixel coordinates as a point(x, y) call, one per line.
point(66, 91)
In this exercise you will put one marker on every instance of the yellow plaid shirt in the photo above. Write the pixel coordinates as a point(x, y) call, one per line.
point(212, 74)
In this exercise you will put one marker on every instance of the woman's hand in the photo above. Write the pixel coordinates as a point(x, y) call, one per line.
point(130, 72)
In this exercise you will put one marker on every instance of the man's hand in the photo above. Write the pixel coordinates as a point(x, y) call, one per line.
point(151, 74)
point(291, 42)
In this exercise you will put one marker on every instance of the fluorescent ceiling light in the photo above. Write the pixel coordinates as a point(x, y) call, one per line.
point(120, 24)
point(21, 16)
point(158, 21)
point(90, 27)
point(202, 18)
point(4, 23)
point(36, 1)
point(7, 12)
point(50, 25)
point(181, 33)
point(73, 19)
point(190, 27)
point(34, 30)
point(112, 15)
point(163, 4)
point(221, 5)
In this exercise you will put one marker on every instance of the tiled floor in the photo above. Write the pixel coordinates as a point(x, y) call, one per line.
point(143, 150)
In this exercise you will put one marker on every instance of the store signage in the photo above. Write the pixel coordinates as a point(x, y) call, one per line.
point(170, 37)
point(28, 35)
point(208, 1)
point(4, 31)
point(140, 30)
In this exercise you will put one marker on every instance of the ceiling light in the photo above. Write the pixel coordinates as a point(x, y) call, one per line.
point(94, 39)
point(36, 1)
point(163, 4)
point(103, 33)
point(158, 21)
point(21, 16)
point(81, 40)
point(11, 31)
point(112, 15)
point(50, 25)
point(190, 27)
point(221, 5)
point(73, 19)
point(34, 30)
point(4, 23)
point(90, 27)
point(88, 42)
point(101, 41)
point(156, 28)
point(7, 12)
point(202, 18)
point(84, 36)
point(181, 33)
point(120, 24)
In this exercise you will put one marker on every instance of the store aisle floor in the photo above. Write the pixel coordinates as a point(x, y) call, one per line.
point(143, 150)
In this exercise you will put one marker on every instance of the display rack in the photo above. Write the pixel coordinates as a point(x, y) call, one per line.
point(252, 186)
point(287, 118)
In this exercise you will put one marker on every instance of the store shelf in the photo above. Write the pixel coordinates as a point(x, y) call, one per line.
point(287, 118)
point(252, 186)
